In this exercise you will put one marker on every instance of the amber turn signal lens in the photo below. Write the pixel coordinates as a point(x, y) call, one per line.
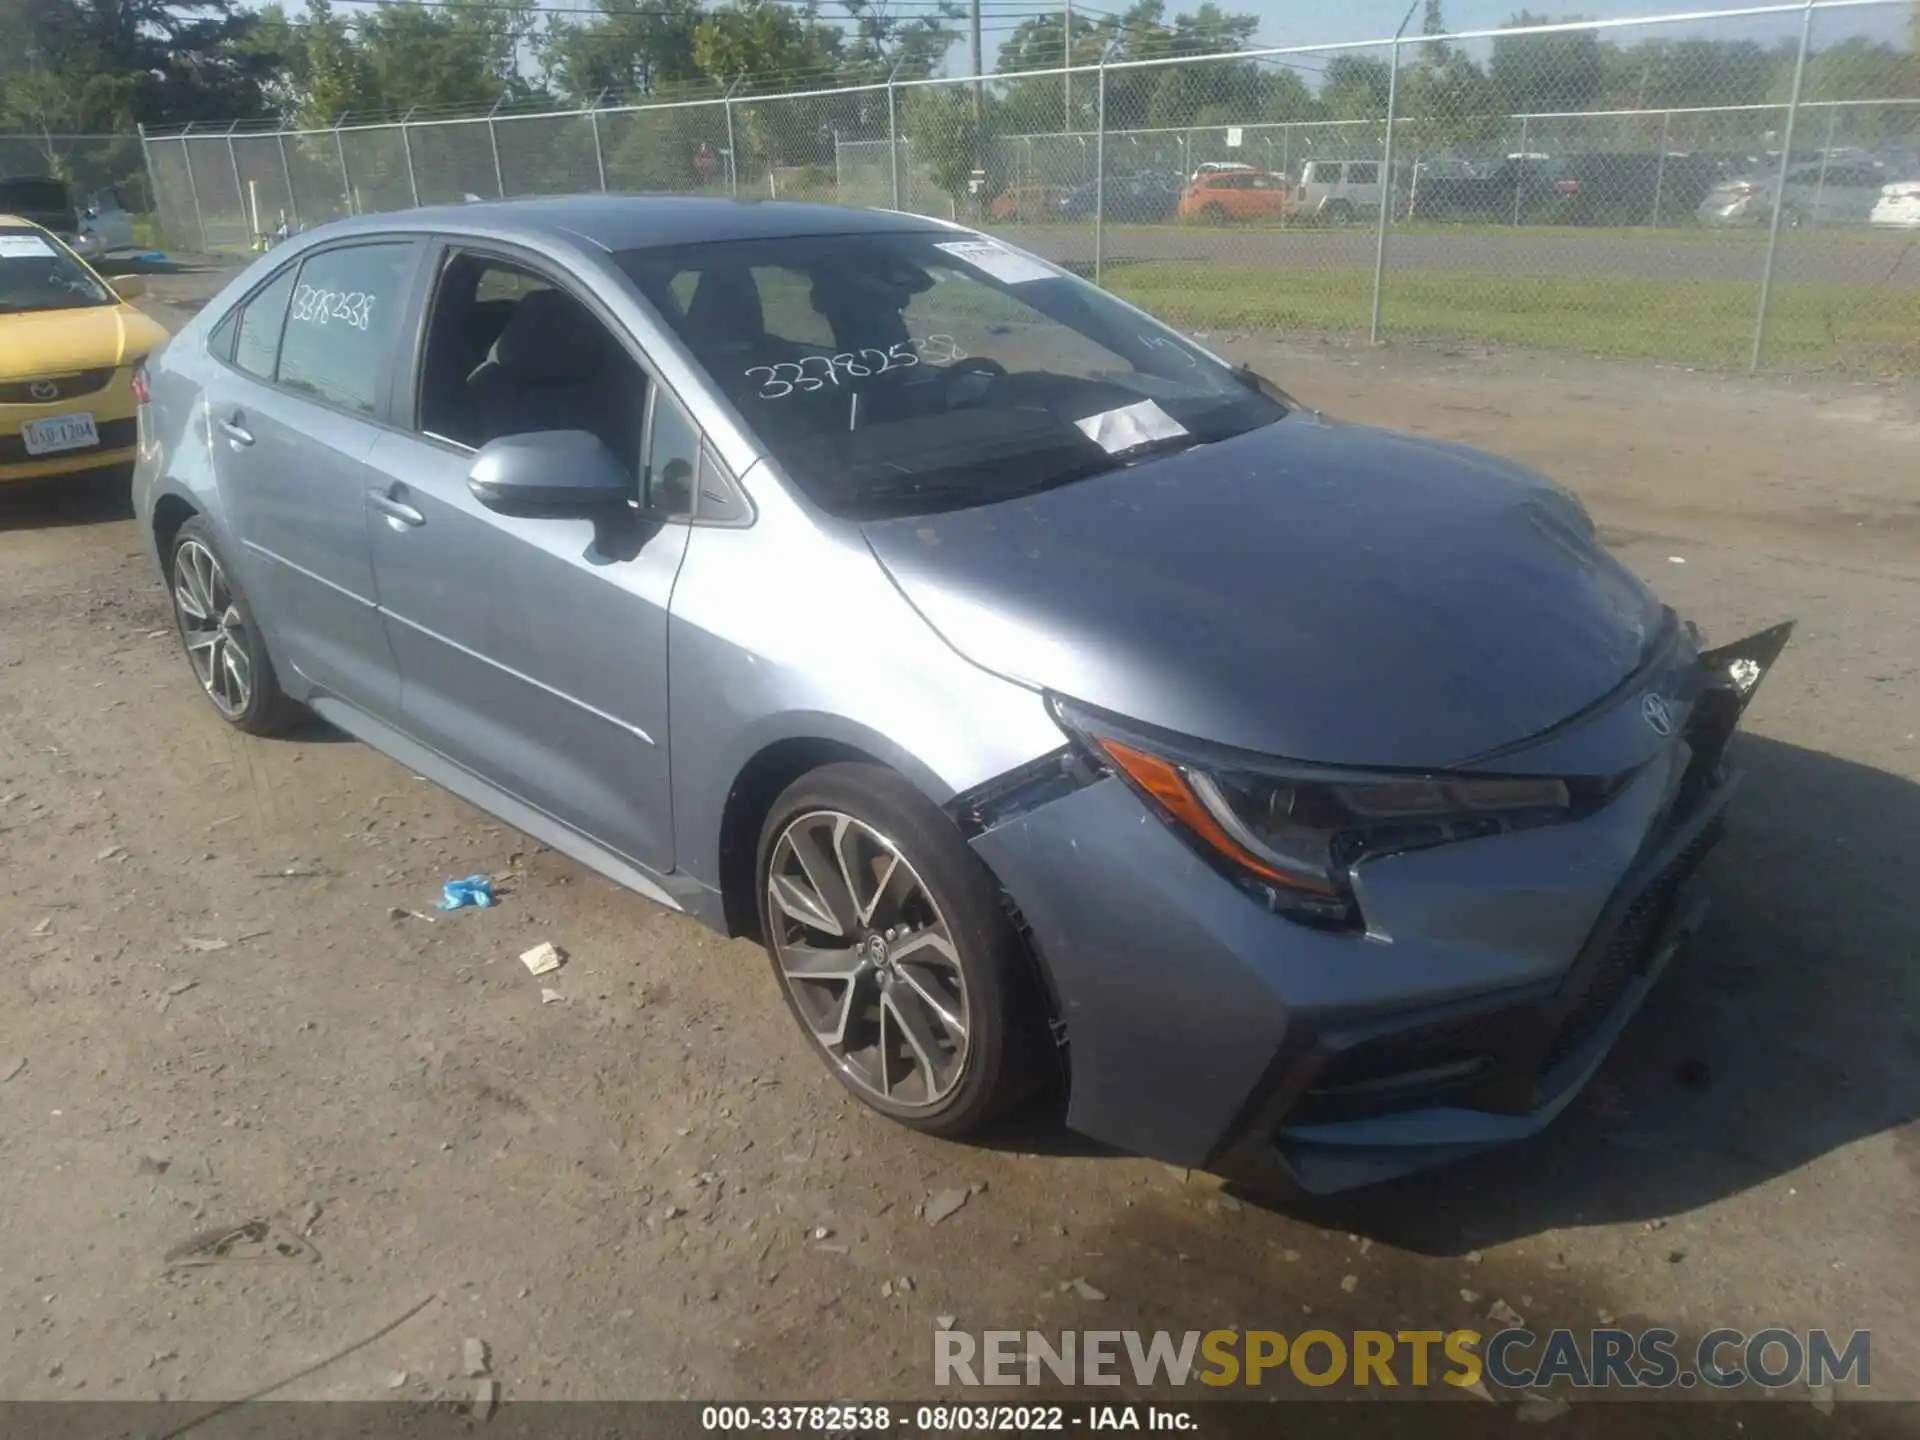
point(1164, 782)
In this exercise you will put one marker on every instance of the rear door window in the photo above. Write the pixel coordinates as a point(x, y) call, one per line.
point(343, 320)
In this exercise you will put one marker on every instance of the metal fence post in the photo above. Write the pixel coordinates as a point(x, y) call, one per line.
point(193, 186)
point(247, 218)
point(1780, 187)
point(346, 178)
point(1386, 180)
point(406, 148)
point(1525, 168)
point(733, 157)
point(1826, 153)
point(1100, 169)
point(1660, 169)
point(493, 141)
point(146, 159)
point(286, 174)
point(893, 138)
point(599, 155)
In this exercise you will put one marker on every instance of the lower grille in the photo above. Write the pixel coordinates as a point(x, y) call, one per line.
point(1630, 949)
point(63, 387)
point(114, 435)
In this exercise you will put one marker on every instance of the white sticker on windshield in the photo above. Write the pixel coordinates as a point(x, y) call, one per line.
point(998, 261)
point(1130, 425)
point(23, 247)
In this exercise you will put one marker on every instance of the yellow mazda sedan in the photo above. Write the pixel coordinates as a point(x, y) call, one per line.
point(69, 347)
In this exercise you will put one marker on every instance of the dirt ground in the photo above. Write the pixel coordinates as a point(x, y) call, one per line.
point(226, 997)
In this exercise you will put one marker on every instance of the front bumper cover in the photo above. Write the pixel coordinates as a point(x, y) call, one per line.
point(1202, 1030)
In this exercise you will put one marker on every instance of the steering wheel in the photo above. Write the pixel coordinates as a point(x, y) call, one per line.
point(973, 365)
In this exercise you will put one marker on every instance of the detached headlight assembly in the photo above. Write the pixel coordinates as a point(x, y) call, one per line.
point(1291, 833)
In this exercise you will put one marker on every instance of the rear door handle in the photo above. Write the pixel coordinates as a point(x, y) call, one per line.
point(235, 431)
point(394, 509)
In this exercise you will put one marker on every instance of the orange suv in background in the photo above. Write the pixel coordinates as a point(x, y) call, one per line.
point(1234, 195)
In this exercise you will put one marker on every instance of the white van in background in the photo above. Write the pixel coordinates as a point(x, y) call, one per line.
point(1335, 192)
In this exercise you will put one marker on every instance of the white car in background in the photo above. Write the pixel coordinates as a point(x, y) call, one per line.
point(1898, 206)
point(105, 226)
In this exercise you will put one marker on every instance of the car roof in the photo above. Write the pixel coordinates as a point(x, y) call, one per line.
point(18, 222)
point(637, 222)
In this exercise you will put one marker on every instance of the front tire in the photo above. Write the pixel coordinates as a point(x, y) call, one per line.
point(893, 951)
point(221, 637)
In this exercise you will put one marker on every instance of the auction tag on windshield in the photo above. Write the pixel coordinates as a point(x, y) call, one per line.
point(23, 247)
point(1117, 430)
point(998, 261)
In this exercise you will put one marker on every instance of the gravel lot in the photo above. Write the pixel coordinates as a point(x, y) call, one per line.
point(227, 999)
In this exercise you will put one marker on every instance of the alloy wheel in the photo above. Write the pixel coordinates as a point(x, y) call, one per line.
point(869, 959)
point(213, 628)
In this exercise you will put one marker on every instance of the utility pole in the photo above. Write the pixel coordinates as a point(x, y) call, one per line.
point(978, 105)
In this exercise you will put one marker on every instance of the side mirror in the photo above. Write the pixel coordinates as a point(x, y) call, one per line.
point(129, 287)
point(549, 473)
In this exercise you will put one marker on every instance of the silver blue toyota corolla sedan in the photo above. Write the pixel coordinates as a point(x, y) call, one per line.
point(1052, 699)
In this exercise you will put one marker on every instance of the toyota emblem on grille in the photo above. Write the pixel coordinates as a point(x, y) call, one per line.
point(1654, 711)
point(44, 390)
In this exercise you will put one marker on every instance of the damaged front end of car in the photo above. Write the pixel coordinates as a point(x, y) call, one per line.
point(1311, 978)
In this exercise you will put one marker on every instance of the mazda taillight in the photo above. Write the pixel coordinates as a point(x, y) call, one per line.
point(140, 392)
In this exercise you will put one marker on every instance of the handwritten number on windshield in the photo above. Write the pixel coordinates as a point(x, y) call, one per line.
point(815, 372)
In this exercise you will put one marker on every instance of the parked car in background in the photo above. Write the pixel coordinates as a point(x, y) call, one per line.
point(1898, 205)
point(1520, 187)
point(1142, 196)
point(1033, 204)
point(1335, 192)
point(1629, 188)
point(69, 347)
point(44, 201)
point(1217, 167)
point(1234, 195)
point(105, 226)
point(1839, 193)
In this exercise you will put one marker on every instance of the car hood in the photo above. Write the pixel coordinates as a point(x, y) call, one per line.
point(1315, 591)
point(50, 342)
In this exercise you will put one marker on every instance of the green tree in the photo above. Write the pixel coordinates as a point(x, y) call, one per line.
point(458, 54)
point(107, 64)
point(946, 143)
point(1355, 88)
point(628, 50)
point(1551, 73)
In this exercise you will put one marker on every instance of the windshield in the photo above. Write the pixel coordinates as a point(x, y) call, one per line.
point(910, 372)
point(36, 274)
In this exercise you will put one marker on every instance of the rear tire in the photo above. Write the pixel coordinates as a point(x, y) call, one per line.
point(1338, 212)
point(222, 638)
point(1214, 213)
point(898, 961)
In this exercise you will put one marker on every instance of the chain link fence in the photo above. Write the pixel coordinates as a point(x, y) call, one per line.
point(1720, 191)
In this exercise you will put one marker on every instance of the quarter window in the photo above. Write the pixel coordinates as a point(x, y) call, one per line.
point(673, 458)
point(1362, 174)
point(343, 316)
point(261, 321)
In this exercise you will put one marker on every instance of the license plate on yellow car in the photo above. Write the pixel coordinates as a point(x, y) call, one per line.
point(59, 432)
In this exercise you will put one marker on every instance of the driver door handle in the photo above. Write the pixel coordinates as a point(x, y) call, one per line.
point(235, 431)
point(394, 509)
